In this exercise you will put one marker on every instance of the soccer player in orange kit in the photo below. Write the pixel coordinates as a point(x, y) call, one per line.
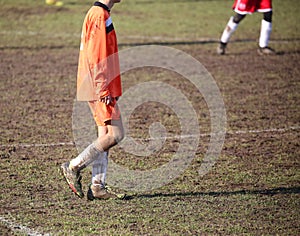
point(242, 8)
point(98, 83)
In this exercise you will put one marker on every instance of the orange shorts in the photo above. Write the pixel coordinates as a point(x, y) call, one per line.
point(103, 113)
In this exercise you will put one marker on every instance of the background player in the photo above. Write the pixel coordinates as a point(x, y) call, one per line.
point(243, 7)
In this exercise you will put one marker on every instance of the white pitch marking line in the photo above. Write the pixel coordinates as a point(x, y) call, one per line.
point(237, 132)
point(20, 228)
point(26, 145)
point(271, 130)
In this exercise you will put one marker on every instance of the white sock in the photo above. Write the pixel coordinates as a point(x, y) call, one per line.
point(265, 32)
point(86, 157)
point(99, 169)
point(228, 31)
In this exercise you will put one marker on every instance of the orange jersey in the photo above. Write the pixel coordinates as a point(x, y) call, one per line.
point(98, 68)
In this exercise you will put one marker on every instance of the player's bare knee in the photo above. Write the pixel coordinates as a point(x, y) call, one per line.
point(238, 18)
point(118, 137)
point(118, 131)
point(268, 16)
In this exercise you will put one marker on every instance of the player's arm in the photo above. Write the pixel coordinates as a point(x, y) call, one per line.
point(97, 54)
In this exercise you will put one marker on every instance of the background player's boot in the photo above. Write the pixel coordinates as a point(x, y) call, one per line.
point(73, 179)
point(266, 51)
point(221, 49)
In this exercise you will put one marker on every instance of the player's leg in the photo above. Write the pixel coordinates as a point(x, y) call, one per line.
point(99, 169)
point(110, 132)
point(113, 136)
point(99, 166)
point(265, 32)
point(108, 135)
point(71, 170)
point(228, 31)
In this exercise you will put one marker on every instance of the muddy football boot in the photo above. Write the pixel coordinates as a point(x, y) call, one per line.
point(96, 192)
point(221, 48)
point(73, 179)
point(266, 51)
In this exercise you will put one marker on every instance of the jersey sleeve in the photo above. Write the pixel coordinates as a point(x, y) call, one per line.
point(97, 56)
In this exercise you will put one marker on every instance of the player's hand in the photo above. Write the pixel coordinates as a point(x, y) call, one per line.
point(107, 100)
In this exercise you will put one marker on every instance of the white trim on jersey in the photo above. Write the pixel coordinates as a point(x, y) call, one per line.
point(108, 22)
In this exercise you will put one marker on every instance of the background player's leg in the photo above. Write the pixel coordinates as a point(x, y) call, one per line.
point(228, 31)
point(265, 32)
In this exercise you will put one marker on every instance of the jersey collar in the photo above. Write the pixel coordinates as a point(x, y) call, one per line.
point(99, 4)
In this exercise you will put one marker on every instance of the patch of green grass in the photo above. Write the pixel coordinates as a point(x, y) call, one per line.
point(34, 24)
